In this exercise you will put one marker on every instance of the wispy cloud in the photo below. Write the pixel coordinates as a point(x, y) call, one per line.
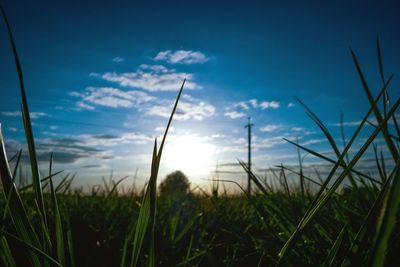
point(269, 104)
point(181, 57)
point(110, 97)
point(347, 123)
point(234, 114)
point(118, 59)
point(239, 109)
point(189, 108)
point(33, 115)
point(271, 128)
point(152, 78)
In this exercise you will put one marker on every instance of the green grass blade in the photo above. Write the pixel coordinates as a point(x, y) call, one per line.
point(313, 209)
point(328, 136)
point(34, 249)
point(254, 178)
point(146, 219)
point(392, 148)
point(27, 122)
point(312, 152)
point(5, 253)
point(24, 188)
point(387, 221)
point(15, 207)
point(57, 219)
point(332, 256)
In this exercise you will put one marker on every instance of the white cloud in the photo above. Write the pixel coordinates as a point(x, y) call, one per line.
point(347, 123)
point(269, 104)
point(118, 59)
point(110, 97)
point(253, 102)
point(234, 114)
point(242, 105)
point(270, 128)
point(188, 108)
point(298, 129)
point(12, 129)
point(152, 78)
point(290, 105)
point(33, 115)
point(181, 57)
point(314, 141)
point(156, 68)
point(81, 105)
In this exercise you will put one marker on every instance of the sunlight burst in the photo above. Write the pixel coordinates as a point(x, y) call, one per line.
point(192, 154)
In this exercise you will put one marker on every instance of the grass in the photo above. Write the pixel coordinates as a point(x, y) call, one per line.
point(283, 224)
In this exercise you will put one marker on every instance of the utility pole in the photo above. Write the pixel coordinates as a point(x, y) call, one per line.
point(249, 125)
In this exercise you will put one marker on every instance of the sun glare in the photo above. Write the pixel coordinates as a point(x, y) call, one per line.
point(191, 154)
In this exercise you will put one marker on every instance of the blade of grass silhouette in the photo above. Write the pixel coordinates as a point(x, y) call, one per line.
point(11, 189)
point(26, 121)
point(331, 160)
point(327, 135)
point(378, 164)
point(312, 207)
point(15, 207)
point(22, 189)
point(146, 219)
point(33, 249)
point(392, 148)
point(5, 253)
point(351, 164)
point(332, 255)
point(368, 222)
point(297, 173)
point(255, 180)
point(387, 221)
point(57, 219)
point(114, 188)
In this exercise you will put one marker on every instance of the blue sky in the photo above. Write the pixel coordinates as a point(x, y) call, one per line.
point(101, 77)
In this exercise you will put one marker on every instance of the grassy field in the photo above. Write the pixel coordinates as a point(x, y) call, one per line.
point(46, 224)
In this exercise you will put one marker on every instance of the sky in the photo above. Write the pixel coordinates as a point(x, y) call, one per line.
point(101, 78)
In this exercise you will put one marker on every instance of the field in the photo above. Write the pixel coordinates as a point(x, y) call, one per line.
point(348, 217)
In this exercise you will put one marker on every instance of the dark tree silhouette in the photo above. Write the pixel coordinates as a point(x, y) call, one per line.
point(176, 183)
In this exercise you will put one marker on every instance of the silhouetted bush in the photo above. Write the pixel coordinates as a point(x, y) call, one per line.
point(175, 184)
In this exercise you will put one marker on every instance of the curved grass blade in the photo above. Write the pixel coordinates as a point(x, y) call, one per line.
point(5, 253)
point(57, 219)
point(31, 248)
point(392, 148)
point(15, 207)
point(146, 218)
point(387, 221)
point(332, 256)
point(27, 122)
point(313, 209)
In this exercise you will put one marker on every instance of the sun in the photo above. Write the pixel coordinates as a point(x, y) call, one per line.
point(192, 154)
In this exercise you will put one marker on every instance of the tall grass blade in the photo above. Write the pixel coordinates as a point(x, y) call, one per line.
point(34, 249)
point(387, 221)
point(317, 204)
point(27, 122)
point(146, 219)
point(15, 207)
point(392, 148)
point(57, 219)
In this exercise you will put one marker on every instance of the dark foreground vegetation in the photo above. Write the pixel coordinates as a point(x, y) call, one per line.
point(225, 230)
point(48, 224)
